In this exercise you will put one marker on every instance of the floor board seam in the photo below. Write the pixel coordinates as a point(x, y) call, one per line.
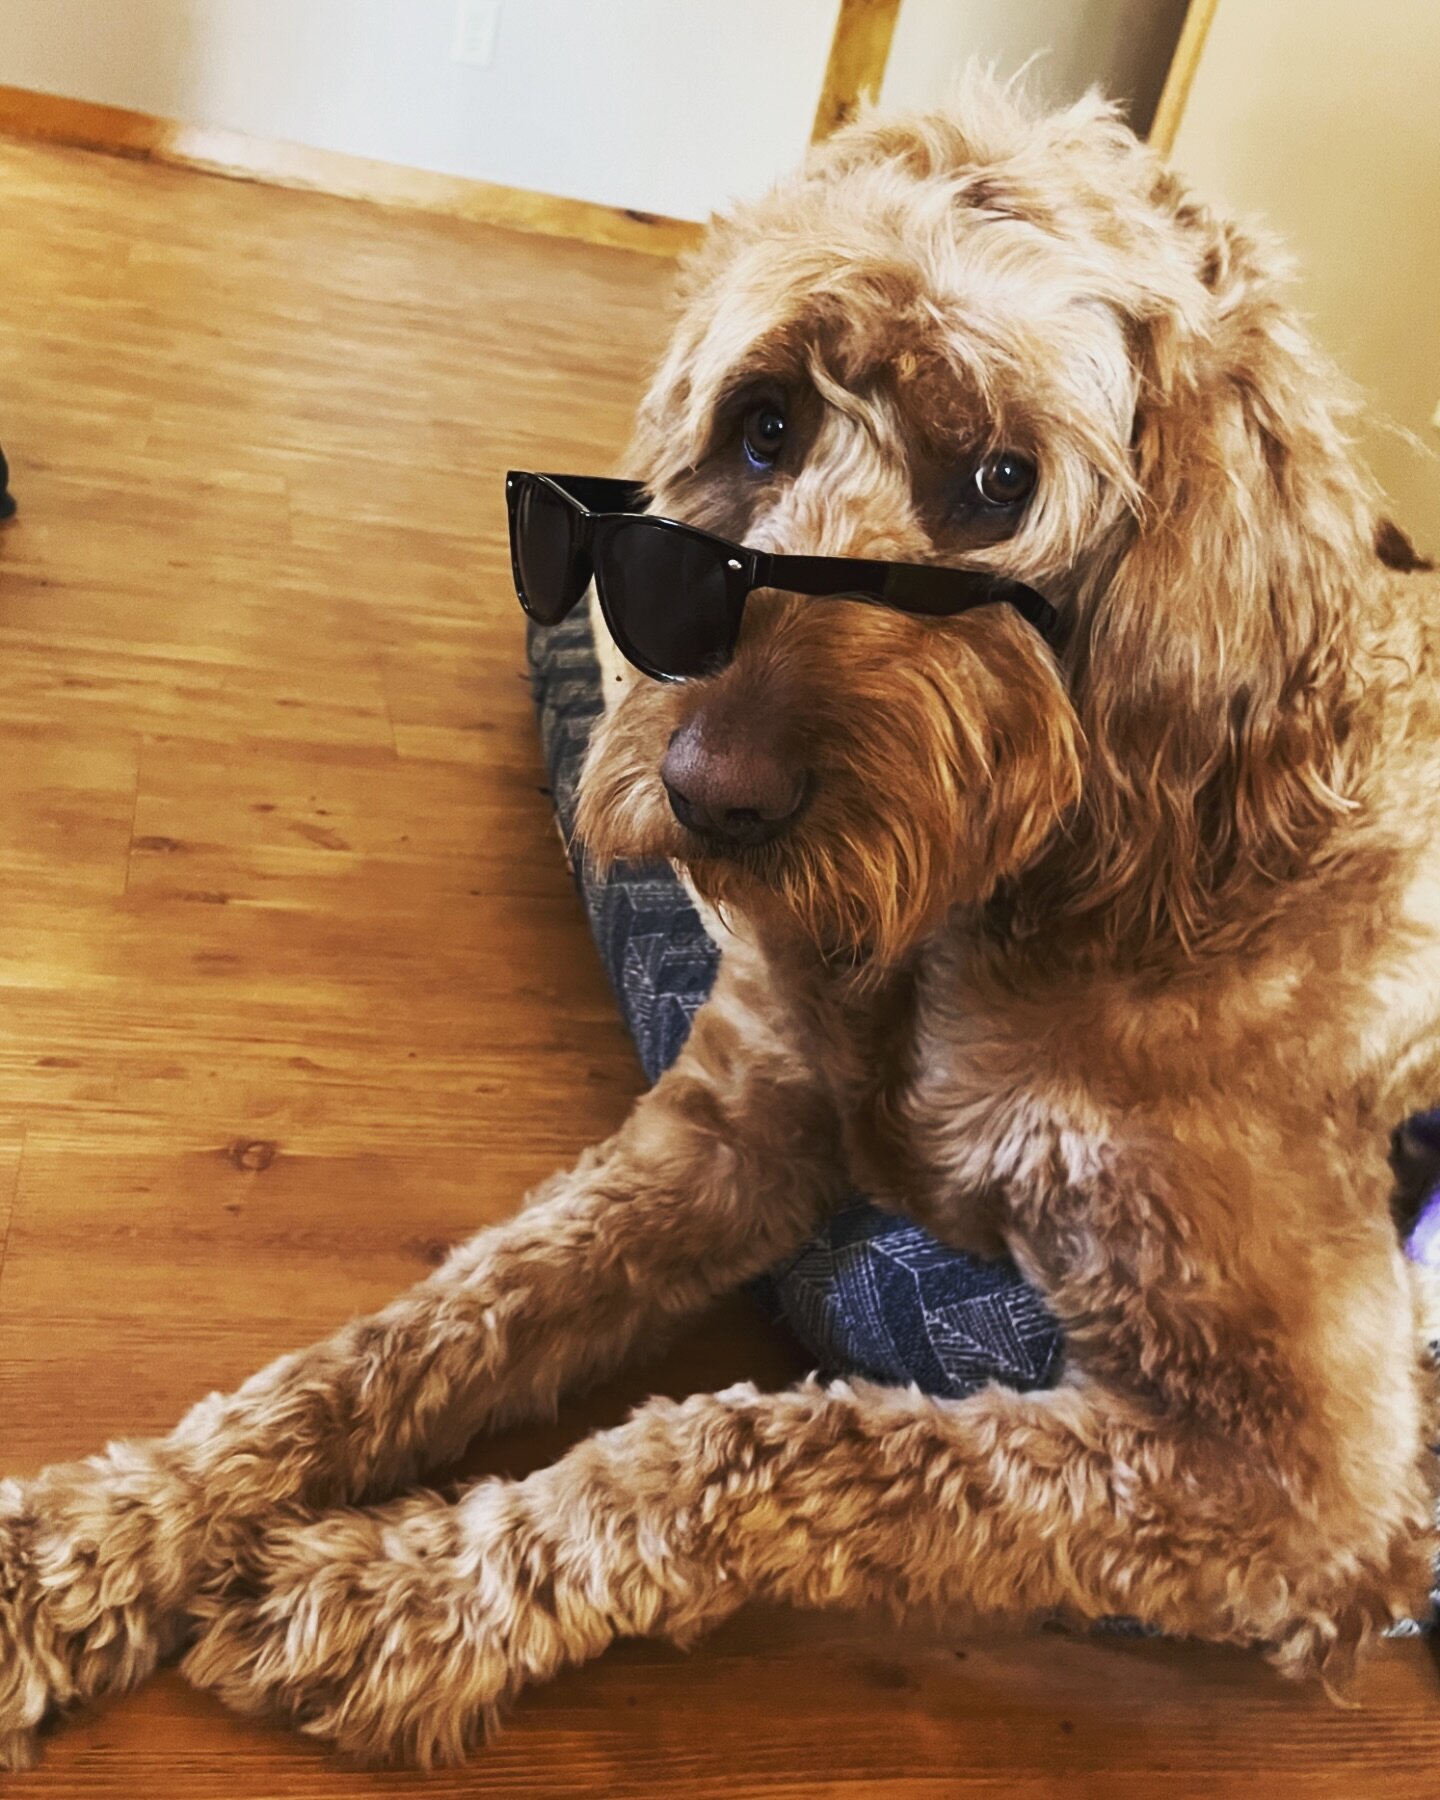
point(134, 814)
point(11, 1210)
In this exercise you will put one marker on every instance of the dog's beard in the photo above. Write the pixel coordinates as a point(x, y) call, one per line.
point(851, 882)
point(859, 903)
point(937, 777)
point(854, 894)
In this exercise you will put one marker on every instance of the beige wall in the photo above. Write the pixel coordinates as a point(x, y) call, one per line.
point(1122, 46)
point(1324, 115)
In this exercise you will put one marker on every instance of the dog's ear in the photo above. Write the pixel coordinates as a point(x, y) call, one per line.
point(1210, 655)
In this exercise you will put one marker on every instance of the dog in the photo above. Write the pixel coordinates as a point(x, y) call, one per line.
point(1121, 956)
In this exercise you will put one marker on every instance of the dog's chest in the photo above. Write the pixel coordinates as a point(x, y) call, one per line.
point(874, 1086)
point(896, 1097)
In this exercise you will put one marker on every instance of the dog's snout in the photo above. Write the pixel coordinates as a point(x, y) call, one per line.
point(734, 784)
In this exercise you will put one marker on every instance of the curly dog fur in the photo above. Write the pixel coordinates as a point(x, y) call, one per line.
point(1124, 957)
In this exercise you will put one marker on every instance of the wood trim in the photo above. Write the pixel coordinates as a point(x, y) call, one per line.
point(91, 126)
point(859, 52)
point(1189, 47)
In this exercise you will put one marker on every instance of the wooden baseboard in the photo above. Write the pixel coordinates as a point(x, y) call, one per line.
point(86, 124)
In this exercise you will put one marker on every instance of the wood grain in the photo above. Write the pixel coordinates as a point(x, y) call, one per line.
point(294, 989)
point(89, 124)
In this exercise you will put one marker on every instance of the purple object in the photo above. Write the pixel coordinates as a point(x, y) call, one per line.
point(1419, 1146)
point(1423, 1244)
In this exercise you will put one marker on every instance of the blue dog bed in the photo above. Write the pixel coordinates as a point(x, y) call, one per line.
point(873, 1294)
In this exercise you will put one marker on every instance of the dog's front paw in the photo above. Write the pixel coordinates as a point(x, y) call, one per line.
point(78, 1616)
point(25, 1688)
point(397, 1634)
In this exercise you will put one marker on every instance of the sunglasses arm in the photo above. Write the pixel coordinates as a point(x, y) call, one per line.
point(908, 587)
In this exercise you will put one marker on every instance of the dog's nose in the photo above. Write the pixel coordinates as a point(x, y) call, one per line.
point(738, 786)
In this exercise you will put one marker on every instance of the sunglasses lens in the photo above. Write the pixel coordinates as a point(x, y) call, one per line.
point(669, 595)
point(553, 572)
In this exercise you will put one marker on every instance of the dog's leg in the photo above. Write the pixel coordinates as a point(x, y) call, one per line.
point(399, 1632)
point(718, 1172)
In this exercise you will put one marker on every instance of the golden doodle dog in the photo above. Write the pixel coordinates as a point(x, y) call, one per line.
point(1122, 956)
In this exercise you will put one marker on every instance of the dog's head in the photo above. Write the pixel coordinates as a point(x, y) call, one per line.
point(1010, 342)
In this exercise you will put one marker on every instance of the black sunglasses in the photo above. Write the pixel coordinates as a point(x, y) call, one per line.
point(673, 596)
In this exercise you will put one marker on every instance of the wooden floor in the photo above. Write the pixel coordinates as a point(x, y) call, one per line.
point(294, 989)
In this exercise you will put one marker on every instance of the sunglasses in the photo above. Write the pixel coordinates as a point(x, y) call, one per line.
point(673, 597)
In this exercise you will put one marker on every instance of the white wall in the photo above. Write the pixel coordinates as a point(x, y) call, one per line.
point(1123, 46)
point(1326, 119)
point(668, 106)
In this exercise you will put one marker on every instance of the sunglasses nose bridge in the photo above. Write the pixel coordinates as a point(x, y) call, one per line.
point(595, 547)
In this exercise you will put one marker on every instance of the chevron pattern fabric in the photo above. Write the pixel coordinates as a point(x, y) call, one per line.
point(877, 1295)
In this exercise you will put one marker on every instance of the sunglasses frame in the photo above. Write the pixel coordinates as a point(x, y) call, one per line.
point(599, 505)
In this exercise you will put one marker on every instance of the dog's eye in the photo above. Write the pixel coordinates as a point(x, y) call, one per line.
point(1005, 479)
point(763, 435)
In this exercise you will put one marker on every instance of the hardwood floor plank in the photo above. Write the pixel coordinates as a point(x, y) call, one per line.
point(67, 801)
